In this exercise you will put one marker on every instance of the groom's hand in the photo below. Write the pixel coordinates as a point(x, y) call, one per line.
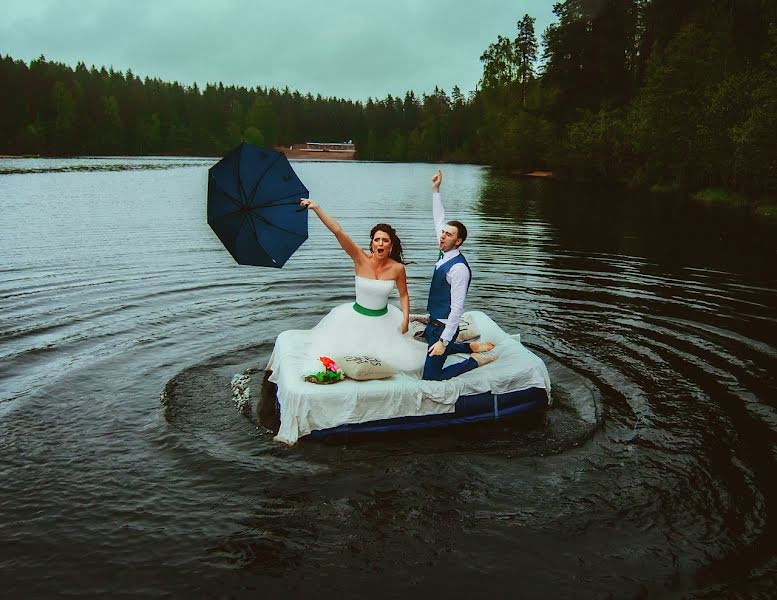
point(436, 349)
point(437, 181)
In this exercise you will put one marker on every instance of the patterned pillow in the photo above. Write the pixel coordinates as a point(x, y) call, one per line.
point(417, 329)
point(467, 329)
point(362, 368)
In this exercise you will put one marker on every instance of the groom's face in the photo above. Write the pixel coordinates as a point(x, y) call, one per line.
point(449, 238)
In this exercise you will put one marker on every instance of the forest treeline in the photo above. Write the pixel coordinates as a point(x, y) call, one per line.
point(655, 93)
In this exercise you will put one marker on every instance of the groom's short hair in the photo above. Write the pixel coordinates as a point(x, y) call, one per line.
point(460, 228)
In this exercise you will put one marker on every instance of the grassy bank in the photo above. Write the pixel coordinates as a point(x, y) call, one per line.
point(766, 207)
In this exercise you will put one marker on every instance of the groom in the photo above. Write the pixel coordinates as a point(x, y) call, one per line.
point(447, 292)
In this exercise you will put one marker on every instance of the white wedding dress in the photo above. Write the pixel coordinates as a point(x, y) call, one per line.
point(347, 331)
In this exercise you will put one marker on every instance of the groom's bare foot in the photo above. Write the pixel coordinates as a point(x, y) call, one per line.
point(483, 359)
point(481, 346)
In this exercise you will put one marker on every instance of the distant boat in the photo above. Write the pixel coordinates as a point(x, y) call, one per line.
point(326, 146)
point(321, 150)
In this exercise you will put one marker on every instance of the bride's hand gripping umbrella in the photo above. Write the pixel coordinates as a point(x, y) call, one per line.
point(306, 203)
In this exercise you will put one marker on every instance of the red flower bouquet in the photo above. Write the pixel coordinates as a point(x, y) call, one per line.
point(332, 373)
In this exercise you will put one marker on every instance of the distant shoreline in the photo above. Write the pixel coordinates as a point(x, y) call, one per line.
point(761, 206)
point(289, 152)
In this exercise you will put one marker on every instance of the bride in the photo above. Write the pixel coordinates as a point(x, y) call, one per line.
point(370, 326)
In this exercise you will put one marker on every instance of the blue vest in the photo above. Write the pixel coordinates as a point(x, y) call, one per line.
point(439, 304)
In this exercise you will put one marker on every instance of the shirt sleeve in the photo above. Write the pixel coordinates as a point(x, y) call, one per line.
point(438, 212)
point(458, 278)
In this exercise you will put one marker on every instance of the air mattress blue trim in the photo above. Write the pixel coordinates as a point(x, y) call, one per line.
point(468, 409)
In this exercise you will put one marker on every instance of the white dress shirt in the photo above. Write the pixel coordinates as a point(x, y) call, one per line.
point(457, 276)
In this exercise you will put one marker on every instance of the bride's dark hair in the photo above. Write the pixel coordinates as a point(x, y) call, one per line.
point(396, 244)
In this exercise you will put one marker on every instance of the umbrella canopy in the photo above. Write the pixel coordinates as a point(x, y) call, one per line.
point(253, 206)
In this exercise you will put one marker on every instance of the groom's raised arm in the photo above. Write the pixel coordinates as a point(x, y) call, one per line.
point(438, 210)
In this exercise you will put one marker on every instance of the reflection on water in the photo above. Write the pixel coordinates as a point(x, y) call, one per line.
point(650, 476)
point(671, 232)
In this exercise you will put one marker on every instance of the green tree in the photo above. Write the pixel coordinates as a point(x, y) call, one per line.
point(671, 108)
point(110, 126)
point(64, 122)
point(262, 116)
point(151, 137)
point(253, 136)
point(526, 54)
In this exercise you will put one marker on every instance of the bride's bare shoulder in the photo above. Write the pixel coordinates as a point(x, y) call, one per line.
point(398, 269)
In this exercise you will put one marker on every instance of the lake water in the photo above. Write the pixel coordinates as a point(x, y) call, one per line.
point(126, 468)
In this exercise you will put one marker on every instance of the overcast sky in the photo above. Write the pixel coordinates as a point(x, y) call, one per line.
point(344, 48)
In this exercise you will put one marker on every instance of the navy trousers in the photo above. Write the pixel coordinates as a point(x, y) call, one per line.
point(433, 367)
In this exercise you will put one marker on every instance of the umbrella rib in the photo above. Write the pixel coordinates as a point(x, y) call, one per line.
point(240, 187)
point(244, 201)
point(235, 201)
point(258, 181)
point(273, 203)
point(258, 216)
point(253, 228)
point(274, 225)
point(294, 203)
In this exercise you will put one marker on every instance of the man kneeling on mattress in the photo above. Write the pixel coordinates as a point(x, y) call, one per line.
point(447, 293)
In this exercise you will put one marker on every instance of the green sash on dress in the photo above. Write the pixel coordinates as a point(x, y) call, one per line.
point(370, 312)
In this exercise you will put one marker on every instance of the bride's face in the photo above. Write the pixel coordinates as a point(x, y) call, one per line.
point(381, 244)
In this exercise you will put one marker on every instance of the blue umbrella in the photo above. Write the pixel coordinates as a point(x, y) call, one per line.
point(253, 206)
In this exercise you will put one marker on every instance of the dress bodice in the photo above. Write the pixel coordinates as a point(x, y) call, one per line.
point(369, 327)
point(373, 293)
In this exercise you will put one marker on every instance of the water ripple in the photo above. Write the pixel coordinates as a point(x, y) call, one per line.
point(649, 476)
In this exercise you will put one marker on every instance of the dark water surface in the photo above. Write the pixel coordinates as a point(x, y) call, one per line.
point(653, 475)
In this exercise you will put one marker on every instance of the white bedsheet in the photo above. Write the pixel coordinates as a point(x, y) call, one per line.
point(307, 407)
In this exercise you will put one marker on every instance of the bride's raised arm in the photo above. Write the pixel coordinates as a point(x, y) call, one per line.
point(352, 248)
